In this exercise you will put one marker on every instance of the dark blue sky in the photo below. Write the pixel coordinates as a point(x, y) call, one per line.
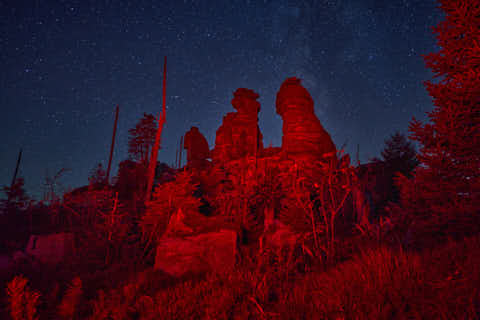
point(66, 64)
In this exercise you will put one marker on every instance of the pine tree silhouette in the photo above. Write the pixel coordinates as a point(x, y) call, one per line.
point(445, 189)
point(142, 138)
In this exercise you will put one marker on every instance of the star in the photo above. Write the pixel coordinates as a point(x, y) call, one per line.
point(66, 66)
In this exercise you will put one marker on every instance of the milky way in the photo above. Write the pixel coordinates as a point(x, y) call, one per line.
point(66, 65)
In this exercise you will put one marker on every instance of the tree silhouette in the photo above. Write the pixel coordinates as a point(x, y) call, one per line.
point(130, 180)
point(399, 154)
point(445, 189)
point(142, 138)
point(97, 176)
point(53, 187)
point(399, 157)
point(16, 196)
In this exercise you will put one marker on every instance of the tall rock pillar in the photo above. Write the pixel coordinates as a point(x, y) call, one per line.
point(239, 134)
point(303, 135)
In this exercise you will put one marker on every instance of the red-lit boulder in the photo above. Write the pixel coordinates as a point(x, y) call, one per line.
point(303, 135)
point(239, 134)
point(213, 251)
point(5, 261)
point(197, 148)
point(50, 249)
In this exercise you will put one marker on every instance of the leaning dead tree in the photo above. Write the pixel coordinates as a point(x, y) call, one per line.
point(112, 146)
point(180, 153)
point(161, 121)
point(14, 176)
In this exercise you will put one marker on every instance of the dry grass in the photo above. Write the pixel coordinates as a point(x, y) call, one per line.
point(379, 283)
point(392, 284)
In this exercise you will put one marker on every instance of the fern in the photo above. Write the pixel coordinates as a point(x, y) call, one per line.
point(23, 302)
point(15, 292)
point(68, 307)
point(31, 304)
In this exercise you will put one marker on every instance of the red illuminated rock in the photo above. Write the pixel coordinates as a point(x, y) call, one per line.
point(303, 134)
point(197, 148)
point(239, 134)
point(213, 251)
point(50, 249)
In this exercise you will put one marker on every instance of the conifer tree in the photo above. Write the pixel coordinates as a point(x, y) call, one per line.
point(142, 138)
point(399, 154)
point(16, 196)
point(97, 176)
point(445, 189)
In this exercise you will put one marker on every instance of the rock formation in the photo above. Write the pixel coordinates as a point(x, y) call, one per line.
point(239, 134)
point(240, 168)
point(303, 135)
point(197, 148)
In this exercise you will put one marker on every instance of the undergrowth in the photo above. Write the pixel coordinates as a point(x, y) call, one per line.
point(379, 283)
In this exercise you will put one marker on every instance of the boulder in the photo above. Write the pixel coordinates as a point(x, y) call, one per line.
point(19, 256)
point(5, 261)
point(214, 251)
point(50, 249)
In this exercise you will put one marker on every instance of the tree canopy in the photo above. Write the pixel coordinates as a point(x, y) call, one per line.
point(142, 137)
point(445, 188)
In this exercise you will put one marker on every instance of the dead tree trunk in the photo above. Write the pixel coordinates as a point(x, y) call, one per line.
point(161, 121)
point(14, 177)
point(176, 159)
point(16, 168)
point(180, 153)
point(112, 146)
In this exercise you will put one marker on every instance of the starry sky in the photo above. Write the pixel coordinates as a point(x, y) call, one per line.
point(66, 64)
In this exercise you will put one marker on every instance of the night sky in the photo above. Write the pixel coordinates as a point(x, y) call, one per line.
point(66, 64)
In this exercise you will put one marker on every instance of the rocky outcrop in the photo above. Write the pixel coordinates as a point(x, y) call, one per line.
point(213, 251)
point(197, 148)
point(303, 135)
point(239, 134)
point(241, 167)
